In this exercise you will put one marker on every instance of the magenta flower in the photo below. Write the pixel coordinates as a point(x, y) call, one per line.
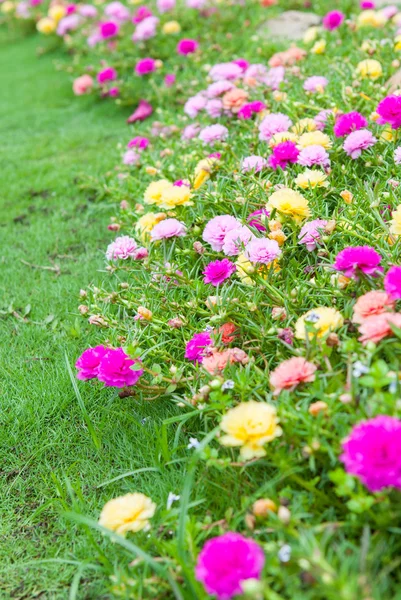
point(392, 282)
point(358, 258)
point(251, 108)
point(241, 62)
point(358, 141)
point(226, 561)
point(258, 219)
point(187, 46)
point(89, 361)
point(372, 452)
point(389, 111)
point(169, 79)
point(311, 233)
point(142, 112)
point(115, 369)
point(367, 4)
point(168, 228)
point(316, 83)
point(138, 142)
point(145, 66)
point(349, 122)
point(216, 230)
point(108, 74)
point(333, 19)
point(195, 348)
point(108, 29)
point(262, 250)
point(141, 13)
point(218, 271)
point(283, 154)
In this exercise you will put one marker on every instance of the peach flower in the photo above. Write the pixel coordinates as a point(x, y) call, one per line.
point(82, 85)
point(287, 58)
point(291, 373)
point(377, 327)
point(217, 361)
point(234, 99)
point(371, 303)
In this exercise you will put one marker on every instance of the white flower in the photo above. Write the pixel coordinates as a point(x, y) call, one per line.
point(193, 443)
point(171, 498)
point(284, 554)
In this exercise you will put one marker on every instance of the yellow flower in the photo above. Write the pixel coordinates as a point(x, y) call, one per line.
point(57, 12)
point(203, 170)
point(46, 25)
point(323, 320)
point(155, 189)
point(146, 223)
point(175, 196)
point(370, 18)
point(397, 45)
point(387, 134)
point(367, 46)
point(347, 196)
point(369, 69)
point(310, 35)
point(145, 313)
point(278, 236)
point(279, 96)
point(250, 425)
point(319, 47)
point(283, 136)
point(289, 202)
point(397, 19)
point(244, 269)
point(395, 223)
point(313, 138)
point(311, 179)
point(306, 124)
point(171, 27)
point(127, 513)
point(7, 7)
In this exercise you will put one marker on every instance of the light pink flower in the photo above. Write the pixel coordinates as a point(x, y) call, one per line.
point(194, 105)
point(217, 361)
point(374, 302)
point(262, 250)
point(168, 228)
point(235, 239)
point(272, 124)
point(82, 85)
point(213, 133)
point(217, 228)
point(357, 141)
point(291, 373)
point(316, 83)
point(146, 29)
point(311, 233)
point(123, 247)
point(253, 163)
point(230, 71)
point(377, 327)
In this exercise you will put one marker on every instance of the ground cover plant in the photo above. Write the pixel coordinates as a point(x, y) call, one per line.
point(245, 330)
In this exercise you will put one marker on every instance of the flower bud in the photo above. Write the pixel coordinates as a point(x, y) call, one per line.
point(317, 407)
point(284, 514)
point(261, 508)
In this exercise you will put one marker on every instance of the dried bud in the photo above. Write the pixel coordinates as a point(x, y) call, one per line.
point(198, 247)
point(83, 309)
point(317, 407)
point(114, 227)
point(330, 226)
point(332, 340)
point(124, 285)
point(97, 320)
point(83, 293)
point(284, 514)
point(261, 508)
point(279, 313)
point(175, 323)
point(250, 521)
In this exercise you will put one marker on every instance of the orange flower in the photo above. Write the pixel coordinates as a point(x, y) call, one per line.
point(234, 99)
point(377, 327)
point(287, 58)
point(217, 361)
point(371, 303)
point(291, 373)
point(228, 333)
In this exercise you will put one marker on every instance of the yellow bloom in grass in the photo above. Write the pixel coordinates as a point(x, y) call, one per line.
point(7, 7)
point(127, 513)
point(203, 170)
point(312, 138)
point(397, 43)
point(289, 203)
point(153, 192)
point(395, 223)
point(283, 136)
point(175, 196)
point(250, 425)
point(310, 179)
point(347, 196)
point(397, 19)
point(146, 223)
point(303, 125)
point(46, 25)
point(310, 35)
point(369, 69)
point(244, 269)
point(323, 320)
point(57, 12)
point(319, 47)
point(371, 18)
point(387, 134)
point(279, 96)
point(171, 27)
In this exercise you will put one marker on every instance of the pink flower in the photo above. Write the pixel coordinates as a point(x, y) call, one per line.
point(164, 6)
point(187, 46)
point(397, 155)
point(195, 348)
point(274, 77)
point(283, 154)
point(262, 250)
point(82, 85)
point(117, 10)
point(236, 239)
point(68, 23)
point(131, 157)
point(145, 66)
point(214, 108)
point(349, 122)
point(113, 92)
point(358, 258)
point(322, 117)
point(142, 112)
point(392, 282)
point(228, 71)
point(141, 13)
point(139, 142)
point(313, 155)
point(226, 561)
point(190, 131)
point(219, 88)
point(169, 80)
point(108, 74)
point(108, 29)
point(115, 369)
point(372, 452)
point(358, 141)
point(89, 361)
point(372, 303)
point(258, 218)
point(88, 11)
point(253, 163)
point(389, 111)
point(218, 271)
point(291, 373)
point(333, 19)
point(122, 248)
point(216, 361)
point(311, 233)
point(213, 133)
point(194, 105)
point(168, 228)
point(316, 83)
point(145, 30)
point(272, 124)
point(216, 230)
point(241, 62)
point(367, 4)
point(377, 327)
point(247, 110)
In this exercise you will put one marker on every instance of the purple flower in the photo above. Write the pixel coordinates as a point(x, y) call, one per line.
point(389, 111)
point(168, 228)
point(117, 10)
point(358, 258)
point(145, 66)
point(333, 19)
point(272, 124)
point(218, 271)
point(349, 122)
point(311, 233)
point(194, 349)
point(258, 218)
point(274, 77)
point(283, 154)
point(392, 282)
point(247, 110)
point(316, 83)
point(131, 157)
point(169, 80)
point(262, 250)
point(89, 361)
point(187, 46)
point(226, 561)
point(314, 155)
point(214, 108)
point(216, 229)
point(253, 163)
point(142, 112)
point(358, 141)
point(213, 133)
point(115, 369)
point(372, 452)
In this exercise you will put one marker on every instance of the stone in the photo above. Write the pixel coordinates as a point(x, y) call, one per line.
point(291, 24)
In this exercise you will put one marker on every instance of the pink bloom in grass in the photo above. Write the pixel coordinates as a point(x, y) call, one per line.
point(217, 228)
point(253, 163)
point(258, 218)
point(377, 327)
point(367, 5)
point(113, 92)
point(333, 20)
point(164, 6)
point(190, 131)
point(194, 105)
point(311, 233)
point(389, 111)
point(358, 141)
point(227, 71)
point(213, 133)
point(314, 155)
point(322, 118)
point(142, 112)
point(89, 361)
point(372, 452)
point(226, 562)
point(214, 108)
point(168, 228)
point(218, 271)
point(241, 62)
point(291, 373)
point(82, 85)
point(216, 361)
point(108, 30)
point(145, 30)
point(88, 11)
point(283, 154)
point(272, 124)
point(218, 88)
point(372, 303)
point(274, 77)
point(131, 157)
point(236, 239)
point(145, 66)
point(262, 250)
point(117, 10)
point(392, 282)
point(349, 122)
point(115, 369)
point(316, 83)
point(108, 74)
point(195, 348)
point(353, 259)
point(187, 46)
point(251, 108)
point(397, 155)
point(123, 247)
point(139, 142)
point(141, 13)
point(169, 80)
